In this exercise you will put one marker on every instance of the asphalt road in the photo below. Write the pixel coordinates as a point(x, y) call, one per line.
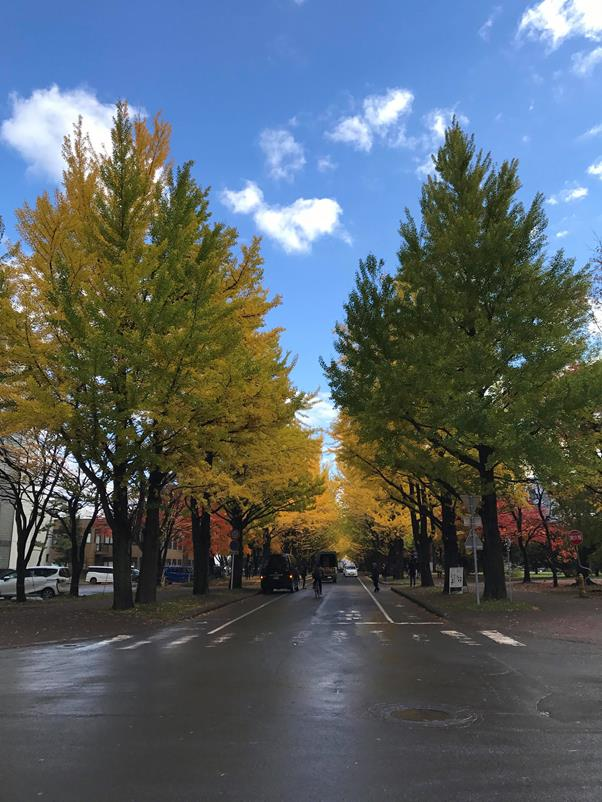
point(303, 699)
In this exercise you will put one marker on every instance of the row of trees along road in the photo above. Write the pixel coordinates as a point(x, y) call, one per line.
point(470, 368)
point(135, 338)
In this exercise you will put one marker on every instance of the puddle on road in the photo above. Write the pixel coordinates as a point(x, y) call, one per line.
point(439, 716)
point(420, 714)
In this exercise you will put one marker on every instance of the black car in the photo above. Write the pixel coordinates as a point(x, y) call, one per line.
point(279, 573)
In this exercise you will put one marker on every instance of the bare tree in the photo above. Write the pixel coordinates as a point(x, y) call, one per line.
point(74, 494)
point(30, 467)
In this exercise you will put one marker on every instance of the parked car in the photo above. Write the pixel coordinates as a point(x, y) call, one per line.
point(177, 573)
point(46, 581)
point(280, 572)
point(350, 569)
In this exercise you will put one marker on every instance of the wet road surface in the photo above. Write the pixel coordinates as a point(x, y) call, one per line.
point(285, 697)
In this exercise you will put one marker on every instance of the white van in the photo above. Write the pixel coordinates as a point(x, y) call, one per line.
point(99, 573)
point(45, 581)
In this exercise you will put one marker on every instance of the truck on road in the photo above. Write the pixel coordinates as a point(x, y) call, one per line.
point(327, 560)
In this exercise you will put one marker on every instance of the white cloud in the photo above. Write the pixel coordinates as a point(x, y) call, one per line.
point(284, 155)
point(561, 234)
point(325, 164)
point(353, 131)
point(568, 195)
point(585, 63)
point(321, 414)
point(436, 122)
point(294, 227)
point(244, 201)
point(39, 123)
point(381, 117)
point(595, 130)
point(552, 21)
point(485, 29)
point(381, 111)
point(596, 169)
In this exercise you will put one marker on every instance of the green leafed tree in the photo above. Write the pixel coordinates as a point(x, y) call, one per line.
point(469, 348)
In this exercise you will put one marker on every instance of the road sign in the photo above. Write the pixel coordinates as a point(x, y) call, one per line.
point(234, 546)
point(235, 534)
point(471, 502)
point(575, 537)
point(471, 541)
point(456, 580)
point(472, 520)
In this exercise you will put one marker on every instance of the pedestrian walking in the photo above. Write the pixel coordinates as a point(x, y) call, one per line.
point(412, 570)
point(303, 572)
point(375, 574)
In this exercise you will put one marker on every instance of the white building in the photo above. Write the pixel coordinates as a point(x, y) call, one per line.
point(8, 539)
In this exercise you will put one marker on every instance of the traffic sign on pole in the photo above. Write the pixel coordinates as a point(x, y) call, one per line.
point(235, 534)
point(234, 546)
point(576, 537)
point(471, 503)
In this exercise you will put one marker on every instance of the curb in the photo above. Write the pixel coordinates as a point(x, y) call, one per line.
point(424, 604)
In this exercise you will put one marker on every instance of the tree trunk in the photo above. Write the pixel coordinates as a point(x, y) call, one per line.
point(396, 558)
point(237, 558)
point(525, 555)
point(201, 586)
point(146, 592)
point(451, 554)
point(123, 598)
point(493, 557)
point(421, 538)
point(21, 567)
point(76, 566)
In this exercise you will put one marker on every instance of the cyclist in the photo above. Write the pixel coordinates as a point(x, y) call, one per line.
point(317, 576)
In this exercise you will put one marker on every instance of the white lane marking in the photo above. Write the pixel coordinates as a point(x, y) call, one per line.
point(499, 638)
point(375, 623)
point(180, 641)
point(133, 645)
point(376, 602)
point(460, 636)
point(218, 641)
point(420, 638)
point(244, 615)
point(99, 644)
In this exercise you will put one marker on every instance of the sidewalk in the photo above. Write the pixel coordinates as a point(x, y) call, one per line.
point(66, 619)
point(536, 609)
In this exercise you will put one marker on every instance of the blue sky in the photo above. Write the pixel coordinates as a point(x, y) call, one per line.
point(313, 120)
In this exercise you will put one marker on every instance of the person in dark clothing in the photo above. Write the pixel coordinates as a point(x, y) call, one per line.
point(375, 573)
point(317, 577)
point(412, 570)
point(303, 572)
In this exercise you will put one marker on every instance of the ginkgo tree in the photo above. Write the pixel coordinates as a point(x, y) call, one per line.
point(466, 348)
point(273, 473)
point(140, 337)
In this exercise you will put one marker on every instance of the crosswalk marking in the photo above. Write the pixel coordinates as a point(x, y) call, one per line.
point(99, 644)
point(133, 645)
point(180, 641)
point(460, 636)
point(219, 640)
point(496, 636)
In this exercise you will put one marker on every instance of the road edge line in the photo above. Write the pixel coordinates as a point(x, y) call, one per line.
point(376, 602)
point(424, 604)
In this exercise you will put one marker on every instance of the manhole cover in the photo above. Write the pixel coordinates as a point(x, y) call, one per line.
point(440, 716)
